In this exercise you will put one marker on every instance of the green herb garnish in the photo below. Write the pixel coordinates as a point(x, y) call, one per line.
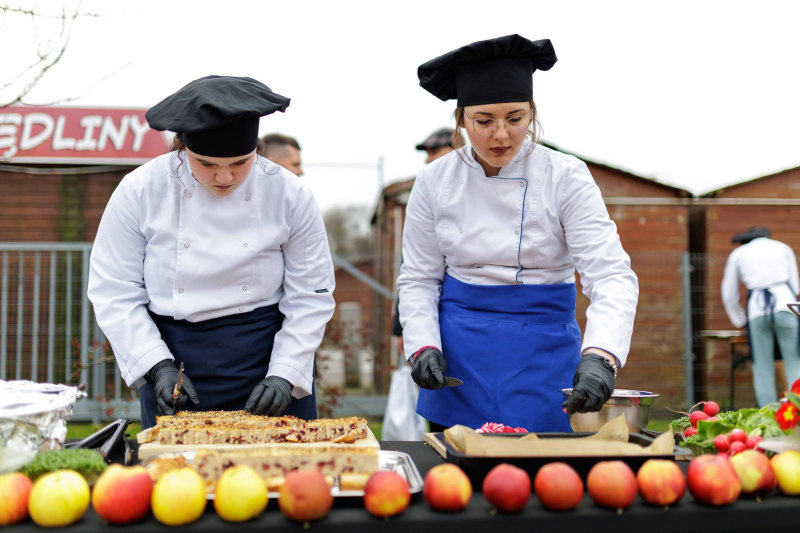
point(87, 463)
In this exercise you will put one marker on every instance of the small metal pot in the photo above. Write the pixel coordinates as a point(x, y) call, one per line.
point(634, 404)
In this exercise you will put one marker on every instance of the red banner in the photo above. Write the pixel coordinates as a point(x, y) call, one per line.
point(72, 135)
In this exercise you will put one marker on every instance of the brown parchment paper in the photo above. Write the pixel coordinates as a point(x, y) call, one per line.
point(610, 440)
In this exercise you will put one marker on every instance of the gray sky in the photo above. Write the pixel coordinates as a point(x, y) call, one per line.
point(695, 94)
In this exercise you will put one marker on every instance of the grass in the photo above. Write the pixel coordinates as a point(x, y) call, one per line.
point(659, 425)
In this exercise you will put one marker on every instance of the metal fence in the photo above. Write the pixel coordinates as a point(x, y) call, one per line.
point(47, 328)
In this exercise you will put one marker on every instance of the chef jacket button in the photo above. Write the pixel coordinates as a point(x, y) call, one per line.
point(241, 309)
point(180, 290)
point(247, 199)
point(244, 288)
point(245, 245)
point(461, 231)
point(521, 183)
point(516, 232)
point(188, 195)
point(185, 245)
point(519, 283)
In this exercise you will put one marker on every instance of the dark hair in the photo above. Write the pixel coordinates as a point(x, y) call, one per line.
point(276, 140)
point(457, 140)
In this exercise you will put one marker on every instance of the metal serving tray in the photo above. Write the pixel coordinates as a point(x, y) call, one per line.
point(390, 461)
point(476, 468)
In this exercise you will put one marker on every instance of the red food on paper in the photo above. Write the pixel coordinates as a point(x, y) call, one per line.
point(492, 427)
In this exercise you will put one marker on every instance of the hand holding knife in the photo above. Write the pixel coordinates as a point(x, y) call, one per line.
point(176, 391)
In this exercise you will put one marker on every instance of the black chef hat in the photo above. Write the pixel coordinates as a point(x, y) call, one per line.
point(488, 72)
point(752, 233)
point(217, 116)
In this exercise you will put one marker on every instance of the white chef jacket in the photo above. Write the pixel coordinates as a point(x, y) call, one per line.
point(760, 264)
point(541, 218)
point(168, 244)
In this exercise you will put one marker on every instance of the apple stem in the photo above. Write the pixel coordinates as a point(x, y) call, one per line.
point(619, 511)
point(306, 525)
point(758, 498)
point(666, 507)
point(493, 511)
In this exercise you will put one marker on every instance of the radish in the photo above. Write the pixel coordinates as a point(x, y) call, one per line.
point(737, 447)
point(753, 441)
point(738, 435)
point(711, 408)
point(696, 417)
point(721, 443)
point(712, 419)
point(689, 432)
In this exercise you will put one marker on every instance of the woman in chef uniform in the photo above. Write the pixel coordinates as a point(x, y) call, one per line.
point(216, 258)
point(493, 235)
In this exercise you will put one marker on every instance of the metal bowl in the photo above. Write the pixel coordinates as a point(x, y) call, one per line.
point(634, 404)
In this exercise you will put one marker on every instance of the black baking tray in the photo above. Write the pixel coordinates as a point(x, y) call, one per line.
point(476, 468)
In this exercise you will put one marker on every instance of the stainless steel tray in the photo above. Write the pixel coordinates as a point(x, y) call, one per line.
point(390, 461)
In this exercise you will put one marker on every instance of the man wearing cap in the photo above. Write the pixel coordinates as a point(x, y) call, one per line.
point(438, 144)
point(491, 243)
point(768, 268)
point(214, 259)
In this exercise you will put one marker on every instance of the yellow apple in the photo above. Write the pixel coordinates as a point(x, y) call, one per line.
point(787, 468)
point(179, 497)
point(58, 499)
point(241, 494)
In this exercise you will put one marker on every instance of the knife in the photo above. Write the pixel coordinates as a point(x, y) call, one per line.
point(452, 382)
point(176, 392)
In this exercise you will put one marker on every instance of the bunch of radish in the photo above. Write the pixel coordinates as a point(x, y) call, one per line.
point(709, 412)
point(737, 441)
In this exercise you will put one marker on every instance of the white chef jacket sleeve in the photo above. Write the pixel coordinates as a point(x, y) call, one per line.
point(117, 290)
point(730, 292)
point(604, 267)
point(307, 302)
point(422, 273)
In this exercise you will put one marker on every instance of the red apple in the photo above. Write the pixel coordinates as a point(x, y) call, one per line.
point(661, 482)
point(711, 408)
point(386, 494)
point(305, 496)
point(612, 484)
point(558, 486)
point(14, 491)
point(712, 480)
point(722, 443)
point(447, 488)
point(755, 472)
point(122, 494)
point(507, 487)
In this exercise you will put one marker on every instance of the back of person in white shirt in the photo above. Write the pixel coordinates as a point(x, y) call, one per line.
point(768, 269)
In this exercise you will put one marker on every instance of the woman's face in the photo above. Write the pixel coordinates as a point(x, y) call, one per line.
point(220, 175)
point(499, 148)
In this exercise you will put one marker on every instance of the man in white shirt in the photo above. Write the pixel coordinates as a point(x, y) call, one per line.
point(768, 268)
point(283, 150)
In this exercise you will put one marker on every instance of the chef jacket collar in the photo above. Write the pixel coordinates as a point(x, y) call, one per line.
point(508, 171)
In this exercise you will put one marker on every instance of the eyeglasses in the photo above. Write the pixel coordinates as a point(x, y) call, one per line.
point(486, 127)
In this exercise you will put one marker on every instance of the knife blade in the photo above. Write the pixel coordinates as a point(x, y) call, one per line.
point(452, 382)
point(176, 391)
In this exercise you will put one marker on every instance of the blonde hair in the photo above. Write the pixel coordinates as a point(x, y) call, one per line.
point(457, 140)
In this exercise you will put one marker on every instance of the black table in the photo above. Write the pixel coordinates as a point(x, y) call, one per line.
point(773, 513)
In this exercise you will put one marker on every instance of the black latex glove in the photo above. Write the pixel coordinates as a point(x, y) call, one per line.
point(164, 376)
point(429, 368)
point(592, 385)
point(271, 397)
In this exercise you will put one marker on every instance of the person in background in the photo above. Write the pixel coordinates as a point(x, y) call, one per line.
point(768, 268)
point(438, 144)
point(283, 150)
point(493, 236)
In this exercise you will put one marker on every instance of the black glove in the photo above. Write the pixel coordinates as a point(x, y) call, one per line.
point(428, 370)
point(592, 385)
point(164, 376)
point(271, 397)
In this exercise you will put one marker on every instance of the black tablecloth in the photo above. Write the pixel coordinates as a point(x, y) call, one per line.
point(773, 513)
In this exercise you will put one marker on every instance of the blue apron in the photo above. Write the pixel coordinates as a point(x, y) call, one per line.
point(514, 347)
point(225, 358)
point(769, 304)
